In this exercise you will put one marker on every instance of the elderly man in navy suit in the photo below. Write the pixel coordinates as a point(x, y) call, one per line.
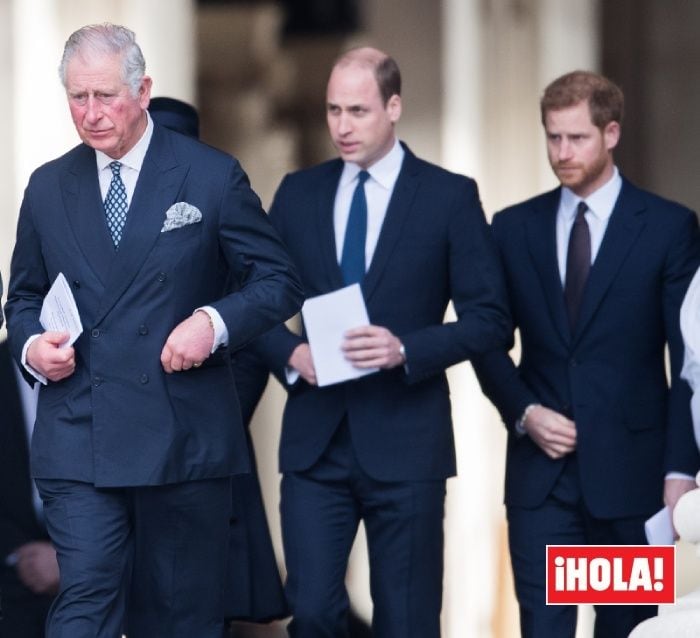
point(596, 271)
point(378, 448)
point(138, 427)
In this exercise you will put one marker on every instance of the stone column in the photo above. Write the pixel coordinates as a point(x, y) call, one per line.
point(497, 56)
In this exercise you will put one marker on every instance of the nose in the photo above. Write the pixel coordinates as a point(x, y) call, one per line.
point(93, 111)
point(344, 125)
point(564, 150)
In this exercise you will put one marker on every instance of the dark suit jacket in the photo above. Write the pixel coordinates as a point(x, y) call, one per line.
point(434, 246)
point(609, 376)
point(18, 520)
point(119, 420)
point(254, 589)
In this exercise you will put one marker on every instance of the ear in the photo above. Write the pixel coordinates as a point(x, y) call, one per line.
point(393, 108)
point(611, 135)
point(145, 91)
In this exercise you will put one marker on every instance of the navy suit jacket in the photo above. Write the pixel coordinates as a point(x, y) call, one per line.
point(119, 420)
point(434, 246)
point(609, 375)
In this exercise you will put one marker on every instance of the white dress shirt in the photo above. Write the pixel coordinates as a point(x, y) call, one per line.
point(378, 189)
point(600, 207)
point(690, 328)
point(131, 165)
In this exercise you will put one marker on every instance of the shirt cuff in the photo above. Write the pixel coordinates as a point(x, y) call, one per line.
point(679, 475)
point(38, 376)
point(520, 423)
point(292, 375)
point(220, 329)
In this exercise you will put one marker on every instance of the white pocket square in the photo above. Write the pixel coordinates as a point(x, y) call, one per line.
point(179, 215)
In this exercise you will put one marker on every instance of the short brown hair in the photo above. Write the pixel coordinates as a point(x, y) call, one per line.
point(605, 99)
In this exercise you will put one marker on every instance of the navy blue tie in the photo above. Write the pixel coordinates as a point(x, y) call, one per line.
point(352, 260)
point(116, 204)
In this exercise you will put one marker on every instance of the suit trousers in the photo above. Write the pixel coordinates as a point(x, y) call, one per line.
point(563, 519)
point(321, 510)
point(148, 561)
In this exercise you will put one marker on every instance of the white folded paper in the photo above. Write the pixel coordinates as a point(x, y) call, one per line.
point(327, 318)
point(659, 528)
point(59, 312)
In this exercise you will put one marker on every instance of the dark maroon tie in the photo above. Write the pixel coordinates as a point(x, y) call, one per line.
point(578, 264)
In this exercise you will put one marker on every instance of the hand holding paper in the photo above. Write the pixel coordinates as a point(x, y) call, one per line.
point(50, 353)
point(373, 347)
point(327, 318)
point(59, 313)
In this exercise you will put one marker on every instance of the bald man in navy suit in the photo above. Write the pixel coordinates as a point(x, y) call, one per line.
point(378, 448)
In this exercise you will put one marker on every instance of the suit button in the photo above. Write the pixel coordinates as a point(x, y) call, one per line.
point(573, 363)
point(144, 378)
point(162, 277)
point(95, 332)
point(76, 283)
point(97, 381)
point(143, 329)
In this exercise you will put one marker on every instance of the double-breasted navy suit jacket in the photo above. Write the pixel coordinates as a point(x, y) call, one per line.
point(434, 246)
point(119, 420)
point(608, 376)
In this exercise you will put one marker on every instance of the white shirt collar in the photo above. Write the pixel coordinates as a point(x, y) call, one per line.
point(135, 156)
point(600, 202)
point(384, 171)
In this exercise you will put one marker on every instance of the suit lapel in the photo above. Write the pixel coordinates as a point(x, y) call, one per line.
point(396, 214)
point(85, 211)
point(540, 230)
point(624, 227)
point(326, 228)
point(157, 187)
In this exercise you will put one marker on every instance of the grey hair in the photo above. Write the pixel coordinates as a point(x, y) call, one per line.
point(107, 39)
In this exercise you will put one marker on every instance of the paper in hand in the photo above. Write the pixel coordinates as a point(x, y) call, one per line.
point(327, 318)
point(59, 312)
point(659, 528)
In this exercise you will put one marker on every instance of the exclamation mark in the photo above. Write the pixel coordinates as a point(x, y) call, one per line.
point(658, 574)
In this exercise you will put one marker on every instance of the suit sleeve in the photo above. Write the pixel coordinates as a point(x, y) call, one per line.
point(29, 283)
point(477, 290)
point(498, 376)
point(276, 346)
point(683, 258)
point(270, 290)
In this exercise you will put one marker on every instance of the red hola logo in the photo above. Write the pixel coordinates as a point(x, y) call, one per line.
point(611, 574)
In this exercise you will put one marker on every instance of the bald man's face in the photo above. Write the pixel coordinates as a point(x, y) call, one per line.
point(360, 124)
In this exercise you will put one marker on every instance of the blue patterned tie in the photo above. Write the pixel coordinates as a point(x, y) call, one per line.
point(115, 204)
point(352, 260)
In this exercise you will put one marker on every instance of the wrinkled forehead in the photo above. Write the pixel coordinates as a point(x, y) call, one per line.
point(94, 66)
